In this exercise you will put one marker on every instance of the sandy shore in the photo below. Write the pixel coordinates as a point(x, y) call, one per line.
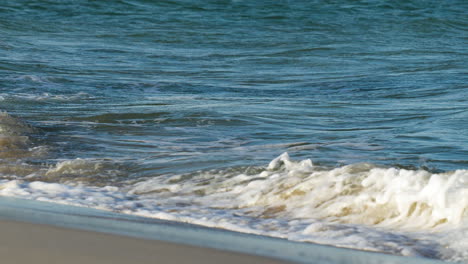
point(42, 244)
point(49, 233)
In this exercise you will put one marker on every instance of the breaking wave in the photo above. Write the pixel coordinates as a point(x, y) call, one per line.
point(362, 206)
point(358, 193)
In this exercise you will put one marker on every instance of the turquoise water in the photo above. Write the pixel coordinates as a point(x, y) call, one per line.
point(158, 101)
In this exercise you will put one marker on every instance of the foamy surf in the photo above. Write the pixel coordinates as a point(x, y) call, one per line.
point(360, 206)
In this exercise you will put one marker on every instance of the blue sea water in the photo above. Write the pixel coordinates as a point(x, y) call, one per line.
point(157, 101)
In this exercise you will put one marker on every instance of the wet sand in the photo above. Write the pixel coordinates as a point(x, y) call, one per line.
point(42, 244)
point(50, 233)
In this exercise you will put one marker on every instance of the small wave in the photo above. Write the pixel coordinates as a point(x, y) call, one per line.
point(42, 97)
point(123, 118)
point(11, 126)
point(96, 172)
point(16, 146)
point(15, 140)
point(22, 156)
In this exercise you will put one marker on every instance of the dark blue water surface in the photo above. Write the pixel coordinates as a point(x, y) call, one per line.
point(179, 86)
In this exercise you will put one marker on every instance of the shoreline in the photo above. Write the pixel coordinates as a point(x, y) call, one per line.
point(41, 244)
point(56, 233)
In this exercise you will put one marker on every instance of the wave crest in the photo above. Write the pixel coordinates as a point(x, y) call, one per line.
point(358, 193)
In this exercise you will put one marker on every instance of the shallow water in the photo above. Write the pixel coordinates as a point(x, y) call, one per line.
point(181, 110)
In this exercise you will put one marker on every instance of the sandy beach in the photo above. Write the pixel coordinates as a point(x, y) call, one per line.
point(42, 244)
point(47, 233)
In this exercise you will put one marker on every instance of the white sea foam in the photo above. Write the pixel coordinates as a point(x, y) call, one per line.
point(405, 212)
point(40, 97)
point(358, 193)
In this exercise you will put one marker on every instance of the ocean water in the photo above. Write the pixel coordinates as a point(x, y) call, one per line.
point(335, 122)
